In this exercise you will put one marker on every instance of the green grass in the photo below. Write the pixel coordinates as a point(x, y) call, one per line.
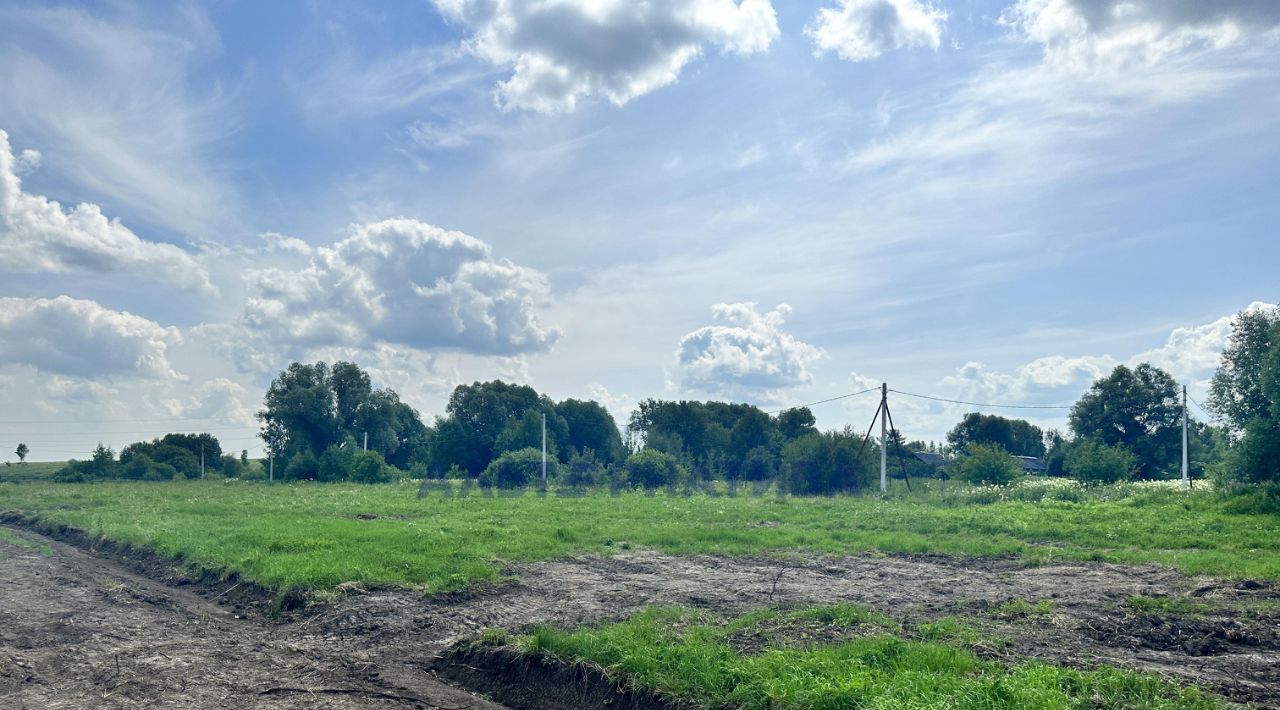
point(1167, 605)
point(1021, 609)
point(9, 536)
point(311, 535)
point(30, 471)
point(687, 654)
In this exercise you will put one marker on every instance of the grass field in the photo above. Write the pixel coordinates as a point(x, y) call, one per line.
point(320, 535)
point(864, 662)
point(30, 471)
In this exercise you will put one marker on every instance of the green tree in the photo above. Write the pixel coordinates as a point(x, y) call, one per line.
point(1095, 462)
point(22, 452)
point(753, 430)
point(337, 461)
point(798, 422)
point(1238, 392)
point(303, 466)
point(370, 467)
point(823, 464)
point(987, 463)
point(478, 413)
point(591, 427)
point(1139, 409)
point(516, 469)
point(197, 444)
point(526, 433)
point(1016, 436)
point(651, 469)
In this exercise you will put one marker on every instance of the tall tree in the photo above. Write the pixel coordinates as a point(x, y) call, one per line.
point(591, 427)
point(1137, 408)
point(1016, 436)
point(1237, 392)
point(22, 452)
point(795, 423)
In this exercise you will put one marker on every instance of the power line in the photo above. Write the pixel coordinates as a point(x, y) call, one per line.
point(824, 401)
point(984, 404)
point(1206, 412)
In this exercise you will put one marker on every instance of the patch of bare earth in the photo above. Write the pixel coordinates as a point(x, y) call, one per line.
point(67, 618)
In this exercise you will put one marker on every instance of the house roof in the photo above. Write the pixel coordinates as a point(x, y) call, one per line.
point(1031, 463)
point(930, 458)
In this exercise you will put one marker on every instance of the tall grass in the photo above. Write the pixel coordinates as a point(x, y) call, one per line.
point(683, 654)
point(319, 535)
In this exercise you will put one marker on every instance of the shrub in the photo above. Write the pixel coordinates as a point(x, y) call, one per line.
point(369, 467)
point(232, 466)
point(822, 464)
point(583, 469)
point(1094, 462)
point(337, 461)
point(514, 469)
point(988, 463)
point(651, 468)
point(758, 465)
point(302, 467)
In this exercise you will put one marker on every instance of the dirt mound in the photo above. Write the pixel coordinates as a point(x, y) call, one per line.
point(534, 682)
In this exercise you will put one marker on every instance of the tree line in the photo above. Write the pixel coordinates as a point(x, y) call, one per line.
point(327, 422)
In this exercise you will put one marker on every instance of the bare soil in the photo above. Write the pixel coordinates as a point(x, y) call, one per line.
point(79, 630)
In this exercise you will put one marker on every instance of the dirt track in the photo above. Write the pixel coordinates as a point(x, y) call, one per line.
point(79, 631)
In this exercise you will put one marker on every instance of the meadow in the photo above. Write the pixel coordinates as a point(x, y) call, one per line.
point(317, 536)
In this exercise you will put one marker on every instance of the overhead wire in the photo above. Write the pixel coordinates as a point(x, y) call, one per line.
point(824, 401)
point(983, 404)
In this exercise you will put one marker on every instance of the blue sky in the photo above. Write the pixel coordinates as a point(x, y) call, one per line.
point(996, 201)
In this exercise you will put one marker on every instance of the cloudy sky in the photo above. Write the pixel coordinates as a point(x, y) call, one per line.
point(754, 200)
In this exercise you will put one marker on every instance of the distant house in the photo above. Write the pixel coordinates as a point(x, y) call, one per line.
point(935, 460)
point(1031, 464)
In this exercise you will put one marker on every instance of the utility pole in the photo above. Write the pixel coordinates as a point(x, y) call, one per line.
point(884, 437)
point(202, 460)
point(1186, 468)
point(544, 449)
point(271, 465)
point(366, 441)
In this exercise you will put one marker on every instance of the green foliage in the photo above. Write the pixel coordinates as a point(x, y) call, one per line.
point(313, 407)
point(685, 654)
point(759, 465)
point(651, 469)
point(302, 533)
point(233, 466)
point(1016, 436)
point(370, 467)
point(823, 464)
point(516, 469)
point(1139, 409)
point(989, 464)
point(336, 462)
point(303, 466)
point(22, 452)
point(1238, 392)
point(1092, 461)
point(798, 422)
point(524, 433)
point(583, 469)
point(591, 428)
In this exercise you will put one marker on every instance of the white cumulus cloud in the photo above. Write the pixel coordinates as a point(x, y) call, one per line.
point(77, 338)
point(1116, 34)
point(745, 354)
point(564, 50)
point(403, 282)
point(36, 234)
point(857, 30)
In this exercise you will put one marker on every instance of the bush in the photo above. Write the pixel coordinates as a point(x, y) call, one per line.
point(822, 464)
point(370, 467)
point(337, 461)
point(1256, 458)
point(650, 469)
point(988, 463)
point(583, 469)
point(758, 465)
point(302, 467)
point(232, 466)
point(515, 469)
point(1094, 462)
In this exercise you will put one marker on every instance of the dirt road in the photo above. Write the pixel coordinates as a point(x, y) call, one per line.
point(80, 631)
